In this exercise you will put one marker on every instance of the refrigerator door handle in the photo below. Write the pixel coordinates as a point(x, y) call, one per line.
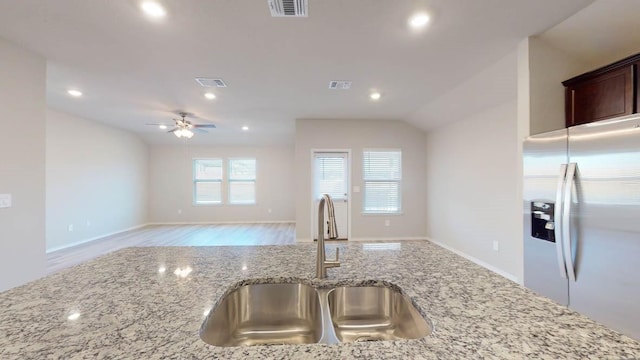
point(557, 220)
point(566, 221)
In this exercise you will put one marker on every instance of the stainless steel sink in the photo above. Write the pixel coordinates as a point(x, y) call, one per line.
point(262, 314)
point(266, 314)
point(374, 313)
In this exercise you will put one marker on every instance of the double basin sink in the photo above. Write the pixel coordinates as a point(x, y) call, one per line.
point(298, 313)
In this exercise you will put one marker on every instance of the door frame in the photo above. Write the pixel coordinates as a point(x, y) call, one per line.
point(314, 151)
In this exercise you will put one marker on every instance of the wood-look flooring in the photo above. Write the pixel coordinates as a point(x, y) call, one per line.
point(175, 235)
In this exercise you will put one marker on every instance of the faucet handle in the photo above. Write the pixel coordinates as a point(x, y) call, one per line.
point(337, 254)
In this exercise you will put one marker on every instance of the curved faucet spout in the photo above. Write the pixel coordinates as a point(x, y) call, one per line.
point(321, 259)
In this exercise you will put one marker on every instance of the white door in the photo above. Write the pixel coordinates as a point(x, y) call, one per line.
point(331, 176)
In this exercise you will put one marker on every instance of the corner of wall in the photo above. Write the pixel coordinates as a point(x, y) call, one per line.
point(22, 155)
point(97, 180)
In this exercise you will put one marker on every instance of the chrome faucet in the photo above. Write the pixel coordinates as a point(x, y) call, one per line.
point(321, 259)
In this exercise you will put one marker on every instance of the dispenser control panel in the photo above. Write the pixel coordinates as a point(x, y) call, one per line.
point(542, 225)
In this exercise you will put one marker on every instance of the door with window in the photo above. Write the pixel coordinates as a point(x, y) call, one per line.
point(331, 176)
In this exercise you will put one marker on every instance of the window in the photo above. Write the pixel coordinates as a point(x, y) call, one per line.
point(207, 181)
point(208, 178)
point(330, 175)
point(242, 181)
point(382, 173)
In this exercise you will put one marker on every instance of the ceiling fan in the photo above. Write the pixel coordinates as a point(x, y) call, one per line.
point(183, 128)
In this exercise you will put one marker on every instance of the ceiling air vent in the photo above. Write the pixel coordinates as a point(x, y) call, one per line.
point(340, 85)
point(206, 82)
point(288, 8)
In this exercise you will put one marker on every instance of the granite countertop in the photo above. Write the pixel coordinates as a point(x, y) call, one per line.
point(129, 309)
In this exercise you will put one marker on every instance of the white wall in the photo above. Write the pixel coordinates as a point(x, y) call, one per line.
point(358, 135)
point(473, 167)
point(96, 180)
point(171, 185)
point(548, 68)
point(473, 187)
point(602, 33)
point(22, 165)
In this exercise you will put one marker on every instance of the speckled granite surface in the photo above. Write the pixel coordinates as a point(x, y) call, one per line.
point(130, 310)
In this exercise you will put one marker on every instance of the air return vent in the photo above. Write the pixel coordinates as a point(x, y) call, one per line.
point(339, 85)
point(206, 82)
point(288, 8)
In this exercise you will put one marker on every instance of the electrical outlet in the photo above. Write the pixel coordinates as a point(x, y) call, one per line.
point(269, 211)
point(179, 211)
point(387, 222)
point(496, 245)
point(70, 227)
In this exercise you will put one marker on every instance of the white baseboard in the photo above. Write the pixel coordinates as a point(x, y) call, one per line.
point(407, 238)
point(95, 238)
point(477, 261)
point(221, 222)
point(304, 240)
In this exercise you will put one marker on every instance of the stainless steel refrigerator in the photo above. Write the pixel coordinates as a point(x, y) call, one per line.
point(582, 220)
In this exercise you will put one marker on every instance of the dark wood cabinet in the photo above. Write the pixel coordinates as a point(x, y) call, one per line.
point(604, 93)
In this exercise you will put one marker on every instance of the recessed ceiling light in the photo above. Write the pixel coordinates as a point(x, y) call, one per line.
point(74, 316)
point(419, 20)
point(74, 93)
point(210, 96)
point(153, 9)
point(162, 126)
point(245, 128)
point(375, 96)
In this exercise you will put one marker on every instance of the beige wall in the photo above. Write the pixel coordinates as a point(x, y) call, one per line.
point(96, 180)
point(473, 167)
point(171, 185)
point(22, 165)
point(357, 135)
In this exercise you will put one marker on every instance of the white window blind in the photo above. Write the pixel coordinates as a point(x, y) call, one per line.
point(331, 175)
point(207, 181)
point(242, 181)
point(382, 173)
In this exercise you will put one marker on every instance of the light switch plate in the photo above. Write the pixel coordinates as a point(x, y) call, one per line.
point(5, 200)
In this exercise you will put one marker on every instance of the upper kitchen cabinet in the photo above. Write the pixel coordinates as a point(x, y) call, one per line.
point(604, 93)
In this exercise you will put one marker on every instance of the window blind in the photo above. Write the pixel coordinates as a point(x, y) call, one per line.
point(207, 181)
point(382, 173)
point(242, 181)
point(330, 175)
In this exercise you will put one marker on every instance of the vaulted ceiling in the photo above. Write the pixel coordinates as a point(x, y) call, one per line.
point(134, 70)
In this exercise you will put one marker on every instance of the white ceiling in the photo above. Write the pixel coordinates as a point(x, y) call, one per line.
point(134, 71)
point(602, 33)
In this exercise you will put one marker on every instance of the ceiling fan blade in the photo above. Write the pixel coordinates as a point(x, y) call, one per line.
point(206, 126)
point(195, 129)
point(158, 124)
point(173, 130)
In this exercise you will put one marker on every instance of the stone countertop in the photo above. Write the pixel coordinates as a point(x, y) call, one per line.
point(129, 309)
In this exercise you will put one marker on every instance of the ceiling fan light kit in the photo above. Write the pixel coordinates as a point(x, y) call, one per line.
point(183, 133)
point(184, 128)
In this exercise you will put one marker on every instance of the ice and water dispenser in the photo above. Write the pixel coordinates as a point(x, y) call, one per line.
point(542, 224)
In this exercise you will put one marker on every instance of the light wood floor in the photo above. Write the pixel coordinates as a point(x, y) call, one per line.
point(175, 235)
